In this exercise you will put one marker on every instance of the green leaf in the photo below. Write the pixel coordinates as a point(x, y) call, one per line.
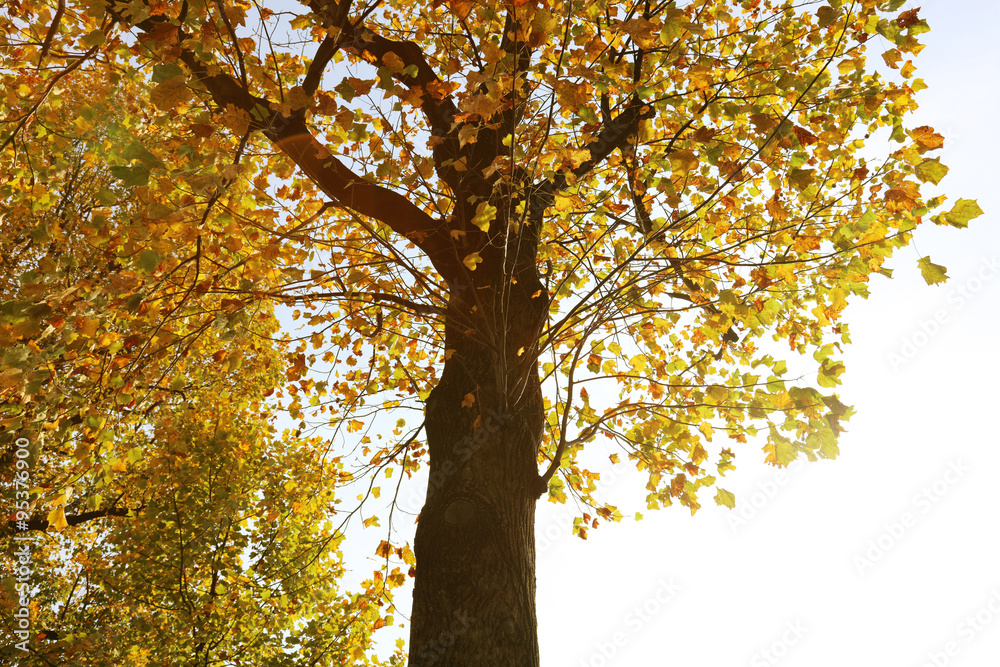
point(148, 260)
point(932, 273)
point(784, 452)
point(801, 178)
point(829, 450)
point(93, 38)
point(136, 151)
point(345, 90)
point(131, 176)
point(106, 197)
point(963, 211)
point(163, 72)
point(931, 170)
point(723, 497)
point(134, 302)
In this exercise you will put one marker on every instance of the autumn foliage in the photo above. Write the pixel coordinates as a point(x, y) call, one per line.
point(258, 261)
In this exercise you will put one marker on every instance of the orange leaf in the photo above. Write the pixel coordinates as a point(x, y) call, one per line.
point(927, 139)
point(461, 8)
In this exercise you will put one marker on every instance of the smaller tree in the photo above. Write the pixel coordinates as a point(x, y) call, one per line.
point(201, 537)
point(168, 521)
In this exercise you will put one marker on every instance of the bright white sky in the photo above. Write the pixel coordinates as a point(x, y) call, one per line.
point(795, 584)
point(886, 556)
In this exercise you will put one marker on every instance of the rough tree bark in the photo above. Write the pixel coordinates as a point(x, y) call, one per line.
point(474, 598)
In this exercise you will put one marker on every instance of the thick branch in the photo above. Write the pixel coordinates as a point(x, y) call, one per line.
point(326, 50)
point(355, 192)
point(337, 18)
point(440, 109)
point(42, 523)
point(615, 135)
point(53, 29)
point(293, 137)
point(520, 53)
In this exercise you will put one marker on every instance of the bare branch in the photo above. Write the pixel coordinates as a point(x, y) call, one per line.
point(53, 29)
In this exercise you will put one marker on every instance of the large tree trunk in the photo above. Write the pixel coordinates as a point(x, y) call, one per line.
point(474, 598)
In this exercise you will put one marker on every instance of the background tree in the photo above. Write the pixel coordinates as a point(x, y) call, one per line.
point(181, 526)
point(563, 231)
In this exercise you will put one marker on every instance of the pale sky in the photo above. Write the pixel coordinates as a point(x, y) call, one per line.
point(886, 556)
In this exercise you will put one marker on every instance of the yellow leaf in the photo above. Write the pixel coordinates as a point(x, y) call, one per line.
point(467, 134)
point(393, 62)
point(723, 497)
point(643, 32)
point(10, 377)
point(461, 8)
point(468, 401)
point(236, 120)
point(57, 519)
point(485, 214)
point(564, 203)
point(706, 430)
point(638, 362)
point(574, 157)
point(471, 261)
point(360, 86)
point(683, 161)
point(927, 139)
point(87, 326)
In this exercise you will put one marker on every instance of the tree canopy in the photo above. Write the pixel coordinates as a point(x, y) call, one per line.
point(489, 245)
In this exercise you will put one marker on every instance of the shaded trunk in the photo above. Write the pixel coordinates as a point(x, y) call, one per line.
point(474, 595)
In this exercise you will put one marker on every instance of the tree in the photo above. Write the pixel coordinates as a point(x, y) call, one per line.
point(560, 231)
point(181, 526)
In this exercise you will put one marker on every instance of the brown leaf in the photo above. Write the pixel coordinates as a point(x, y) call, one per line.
point(806, 138)
point(908, 18)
